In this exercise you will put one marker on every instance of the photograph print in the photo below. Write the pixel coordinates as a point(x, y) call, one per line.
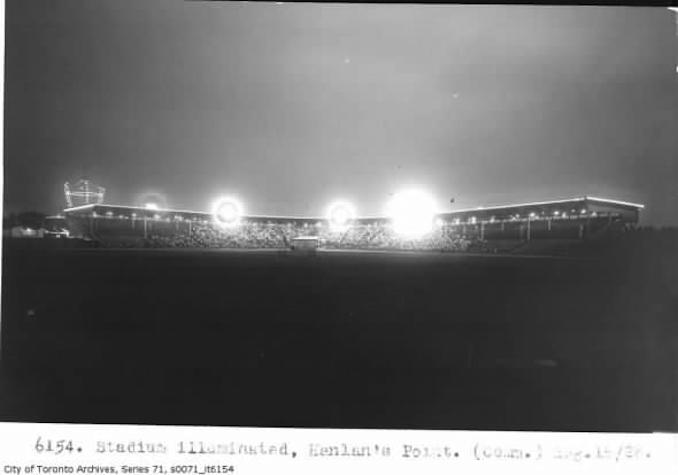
point(340, 215)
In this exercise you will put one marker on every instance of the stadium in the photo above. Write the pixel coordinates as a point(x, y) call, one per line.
point(556, 227)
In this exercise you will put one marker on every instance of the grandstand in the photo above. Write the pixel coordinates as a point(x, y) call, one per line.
point(547, 226)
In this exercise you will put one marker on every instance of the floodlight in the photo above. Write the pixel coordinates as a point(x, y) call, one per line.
point(340, 214)
point(412, 212)
point(226, 212)
point(152, 200)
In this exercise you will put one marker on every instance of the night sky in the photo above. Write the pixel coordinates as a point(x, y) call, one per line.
point(291, 106)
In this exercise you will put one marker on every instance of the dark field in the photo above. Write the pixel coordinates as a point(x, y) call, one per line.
point(339, 340)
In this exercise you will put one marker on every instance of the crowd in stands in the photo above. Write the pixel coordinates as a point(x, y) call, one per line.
point(280, 236)
point(245, 235)
point(380, 236)
point(445, 237)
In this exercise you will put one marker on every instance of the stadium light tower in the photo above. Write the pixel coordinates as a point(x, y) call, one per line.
point(340, 214)
point(227, 212)
point(83, 192)
point(412, 212)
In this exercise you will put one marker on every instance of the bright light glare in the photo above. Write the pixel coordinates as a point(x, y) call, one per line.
point(412, 212)
point(226, 212)
point(340, 214)
point(152, 200)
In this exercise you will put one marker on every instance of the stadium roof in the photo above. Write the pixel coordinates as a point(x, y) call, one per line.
point(141, 208)
point(481, 209)
point(553, 202)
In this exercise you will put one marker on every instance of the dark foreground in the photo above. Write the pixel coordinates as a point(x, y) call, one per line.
point(339, 340)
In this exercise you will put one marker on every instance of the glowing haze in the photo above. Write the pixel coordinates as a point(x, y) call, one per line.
point(227, 211)
point(339, 215)
point(412, 212)
point(289, 106)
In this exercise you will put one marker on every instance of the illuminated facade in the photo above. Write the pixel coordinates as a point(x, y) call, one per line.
point(577, 218)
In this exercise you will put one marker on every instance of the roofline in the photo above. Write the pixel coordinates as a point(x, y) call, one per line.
point(141, 208)
point(77, 208)
point(167, 210)
point(552, 202)
point(163, 210)
point(534, 203)
point(618, 202)
point(315, 218)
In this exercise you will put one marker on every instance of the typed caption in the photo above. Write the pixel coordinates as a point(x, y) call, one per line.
point(54, 449)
